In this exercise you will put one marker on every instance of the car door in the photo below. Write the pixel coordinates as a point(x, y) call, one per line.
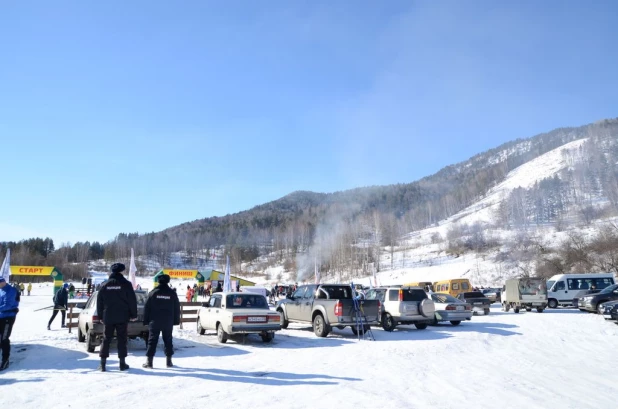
point(292, 307)
point(306, 302)
point(213, 311)
point(562, 293)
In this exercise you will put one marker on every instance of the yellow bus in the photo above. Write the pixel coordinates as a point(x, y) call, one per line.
point(453, 287)
point(426, 285)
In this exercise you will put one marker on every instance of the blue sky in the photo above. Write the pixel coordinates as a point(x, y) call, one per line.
point(137, 116)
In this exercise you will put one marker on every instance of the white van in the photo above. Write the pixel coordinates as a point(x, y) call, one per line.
point(562, 288)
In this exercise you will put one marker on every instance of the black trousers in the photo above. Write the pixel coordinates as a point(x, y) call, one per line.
point(153, 339)
point(6, 326)
point(62, 310)
point(121, 335)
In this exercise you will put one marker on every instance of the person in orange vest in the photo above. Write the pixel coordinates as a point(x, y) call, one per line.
point(189, 293)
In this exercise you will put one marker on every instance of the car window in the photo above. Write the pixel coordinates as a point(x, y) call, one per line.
point(246, 300)
point(444, 298)
point(559, 286)
point(455, 286)
point(413, 294)
point(465, 286)
point(299, 292)
point(338, 292)
point(310, 293)
point(216, 303)
point(393, 295)
point(371, 295)
point(473, 294)
point(91, 301)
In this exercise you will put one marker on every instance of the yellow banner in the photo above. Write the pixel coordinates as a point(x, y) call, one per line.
point(31, 270)
point(181, 273)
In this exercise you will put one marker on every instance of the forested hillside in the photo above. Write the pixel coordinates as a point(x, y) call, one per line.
point(348, 230)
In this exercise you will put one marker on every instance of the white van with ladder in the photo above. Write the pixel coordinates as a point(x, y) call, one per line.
point(563, 288)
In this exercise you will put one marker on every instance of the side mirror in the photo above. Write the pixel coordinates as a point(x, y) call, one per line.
point(289, 296)
point(205, 305)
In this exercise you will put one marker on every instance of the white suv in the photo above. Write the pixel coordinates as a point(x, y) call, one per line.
point(403, 305)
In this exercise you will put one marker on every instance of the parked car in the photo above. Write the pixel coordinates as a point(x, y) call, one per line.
point(449, 308)
point(326, 306)
point(606, 309)
point(238, 313)
point(90, 328)
point(527, 293)
point(593, 302)
point(402, 306)
point(577, 300)
point(492, 293)
point(478, 301)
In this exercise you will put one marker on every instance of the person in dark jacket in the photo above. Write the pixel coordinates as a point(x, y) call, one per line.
point(9, 307)
point(161, 313)
point(116, 306)
point(61, 300)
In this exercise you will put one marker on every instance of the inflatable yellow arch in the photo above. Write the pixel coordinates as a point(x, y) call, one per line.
point(40, 271)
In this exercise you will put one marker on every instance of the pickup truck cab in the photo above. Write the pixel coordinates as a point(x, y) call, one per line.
point(478, 301)
point(326, 306)
point(527, 293)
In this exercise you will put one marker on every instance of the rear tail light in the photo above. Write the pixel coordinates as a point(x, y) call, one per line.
point(400, 295)
point(239, 318)
point(95, 318)
point(338, 309)
point(379, 308)
point(468, 307)
point(274, 317)
point(450, 308)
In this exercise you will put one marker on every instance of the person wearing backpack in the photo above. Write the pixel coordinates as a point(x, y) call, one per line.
point(61, 300)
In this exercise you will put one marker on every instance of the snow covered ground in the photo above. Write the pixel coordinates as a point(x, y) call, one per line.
point(561, 358)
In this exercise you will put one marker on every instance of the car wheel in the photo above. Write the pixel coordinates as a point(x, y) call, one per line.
point(319, 326)
point(89, 346)
point(599, 309)
point(552, 303)
point(516, 310)
point(80, 336)
point(486, 311)
point(340, 327)
point(528, 309)
point(388, 323)
point(266, 337)
point(455, 323)
point(284, 322)
point(539, 309)
point(200, 330)
point(420, 326)
point(221, 334)
point(506, 307)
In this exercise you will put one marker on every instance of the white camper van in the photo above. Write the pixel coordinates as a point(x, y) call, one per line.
point(562, 288)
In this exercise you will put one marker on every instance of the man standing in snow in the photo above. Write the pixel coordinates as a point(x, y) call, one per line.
point(116, 305)
point(61, 301)
point(9, 303)
point(161, 313)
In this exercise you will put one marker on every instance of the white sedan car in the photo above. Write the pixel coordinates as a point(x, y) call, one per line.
point(449, 308)
point(238, 313)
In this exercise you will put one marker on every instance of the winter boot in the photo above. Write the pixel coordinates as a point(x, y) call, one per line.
point(148, 363)
point(168, 362)
point(123, 365)
point(102, 365)
point(49, 327)
point(4, 365)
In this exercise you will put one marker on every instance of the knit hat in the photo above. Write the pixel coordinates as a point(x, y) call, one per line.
point(118, 268)
point(163, 279)
point(65, 285)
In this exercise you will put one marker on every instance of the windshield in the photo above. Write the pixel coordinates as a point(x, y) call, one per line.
point(609, 289)
point(550, 283)
point(141, 297)
point(474, 294)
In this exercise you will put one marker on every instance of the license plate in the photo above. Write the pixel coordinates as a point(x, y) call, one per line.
point(460, 308)
point(256, 319)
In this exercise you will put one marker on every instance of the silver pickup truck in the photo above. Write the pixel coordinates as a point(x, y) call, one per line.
point(326, 306)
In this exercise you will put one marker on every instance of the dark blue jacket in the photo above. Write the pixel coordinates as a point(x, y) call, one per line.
point(62, 298)
point(162, 310)
point(116, 300)
point(9, 301)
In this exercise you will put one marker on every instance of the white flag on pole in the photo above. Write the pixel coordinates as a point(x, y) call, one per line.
point(227, 282)
point(317, 274)
point(5, 271)
point(132, 271)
